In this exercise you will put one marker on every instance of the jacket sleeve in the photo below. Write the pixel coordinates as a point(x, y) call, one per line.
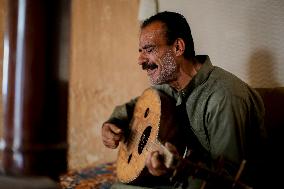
point(225, 121)
point(122, 114)
point(233, 126)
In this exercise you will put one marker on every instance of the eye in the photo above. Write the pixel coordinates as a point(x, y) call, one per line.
point(150, 49)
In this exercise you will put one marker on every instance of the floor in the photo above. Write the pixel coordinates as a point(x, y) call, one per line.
point(9, 182)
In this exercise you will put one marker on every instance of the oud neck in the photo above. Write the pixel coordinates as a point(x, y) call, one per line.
point(199, 171)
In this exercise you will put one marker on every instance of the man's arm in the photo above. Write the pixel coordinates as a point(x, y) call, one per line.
point(122, 114)
point(113, 130)
point(228, 122)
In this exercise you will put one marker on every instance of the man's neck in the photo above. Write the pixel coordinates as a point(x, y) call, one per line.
point(187, 70)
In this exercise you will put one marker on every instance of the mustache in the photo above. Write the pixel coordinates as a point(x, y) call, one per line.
point(150, 66)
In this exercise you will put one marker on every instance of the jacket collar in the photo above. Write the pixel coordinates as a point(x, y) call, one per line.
point(201, 76)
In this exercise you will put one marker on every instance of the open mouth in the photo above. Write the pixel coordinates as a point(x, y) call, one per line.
point(151, 68)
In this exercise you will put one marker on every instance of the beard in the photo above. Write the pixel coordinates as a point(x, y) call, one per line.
point(168, 70)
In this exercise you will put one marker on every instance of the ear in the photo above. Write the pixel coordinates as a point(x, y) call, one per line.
point(179, 47)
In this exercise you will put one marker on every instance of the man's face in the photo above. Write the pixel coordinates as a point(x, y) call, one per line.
point(156, 57)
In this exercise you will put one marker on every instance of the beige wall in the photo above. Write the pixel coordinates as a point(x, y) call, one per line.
point(243, 37)
point(104, 72)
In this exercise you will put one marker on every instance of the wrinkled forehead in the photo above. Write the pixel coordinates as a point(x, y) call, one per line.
point(152, 34)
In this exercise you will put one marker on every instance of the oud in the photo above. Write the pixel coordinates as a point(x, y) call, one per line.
point(152, 125)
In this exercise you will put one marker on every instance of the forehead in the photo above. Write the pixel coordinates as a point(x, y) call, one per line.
point(152, 34)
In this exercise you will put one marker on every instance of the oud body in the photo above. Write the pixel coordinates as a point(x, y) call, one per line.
point(152, 124)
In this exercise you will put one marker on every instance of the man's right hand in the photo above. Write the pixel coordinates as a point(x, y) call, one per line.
point(111, 135)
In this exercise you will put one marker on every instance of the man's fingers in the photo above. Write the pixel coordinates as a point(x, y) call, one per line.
point(155, 161)
point(171, 148)
point(115, 129)
point(155, 165)
point(111, 135)
point(110, 143)
point(112, 131)
point(149, 164)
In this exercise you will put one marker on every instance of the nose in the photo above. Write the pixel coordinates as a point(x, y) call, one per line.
point(142, 59)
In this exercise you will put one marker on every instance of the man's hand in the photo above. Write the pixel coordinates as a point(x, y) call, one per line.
point(155, 163)
point(111, 135)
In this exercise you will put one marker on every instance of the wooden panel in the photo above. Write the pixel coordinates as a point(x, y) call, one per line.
point(35, 88)
point(2, 16)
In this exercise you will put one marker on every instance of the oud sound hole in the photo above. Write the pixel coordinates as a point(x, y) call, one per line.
point(144, 139)
point(129, 158)
point(146, 112)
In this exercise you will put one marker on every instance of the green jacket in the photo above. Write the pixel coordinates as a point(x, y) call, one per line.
point(224, 114)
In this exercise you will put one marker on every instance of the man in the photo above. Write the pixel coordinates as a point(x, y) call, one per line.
point(222, 116)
